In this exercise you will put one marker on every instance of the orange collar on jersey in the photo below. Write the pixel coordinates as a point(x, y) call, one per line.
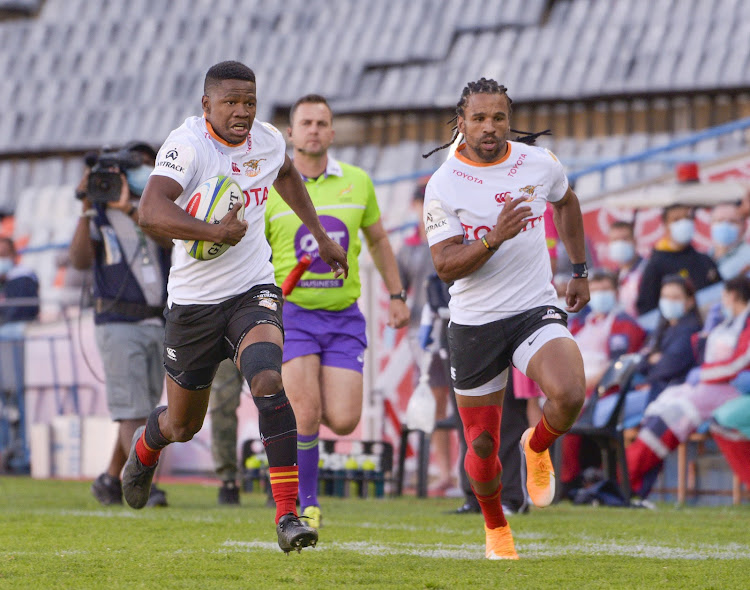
point(219, 139)
point(466, 160)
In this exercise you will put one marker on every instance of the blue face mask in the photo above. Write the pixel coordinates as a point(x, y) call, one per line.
point(671, 309)
point(602, 301)
point(724, 233)
point(138, 177)
point(5, 265)
point(621, 251)
point(682, 231)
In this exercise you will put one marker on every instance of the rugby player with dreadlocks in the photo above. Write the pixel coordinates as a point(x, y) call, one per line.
point(483, 216)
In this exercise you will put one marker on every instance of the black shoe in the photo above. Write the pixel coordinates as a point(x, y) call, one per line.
point(136, 477)
point(294, 534)
point(229, 494)
point(157, 497)
point(471, 506)
point(107, 490)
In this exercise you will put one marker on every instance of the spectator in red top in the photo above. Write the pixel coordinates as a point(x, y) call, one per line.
point(681, 409)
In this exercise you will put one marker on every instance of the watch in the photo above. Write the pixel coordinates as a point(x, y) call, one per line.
point(401, 296)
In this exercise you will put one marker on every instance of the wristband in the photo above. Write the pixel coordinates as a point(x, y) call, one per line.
point(132, 210)
point(580, 271)
point(487, 244)
point(399, 296)
point(89, 213)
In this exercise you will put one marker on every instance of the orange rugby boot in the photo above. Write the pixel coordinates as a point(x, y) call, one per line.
point(499, 543)
point(540, 475)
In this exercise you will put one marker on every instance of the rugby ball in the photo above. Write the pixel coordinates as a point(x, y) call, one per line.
point(210, 202)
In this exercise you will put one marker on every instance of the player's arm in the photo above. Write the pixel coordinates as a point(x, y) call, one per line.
point(453, 259)
point(569, 224)
point(158, 214)
point(382, 255)
point(291, 188)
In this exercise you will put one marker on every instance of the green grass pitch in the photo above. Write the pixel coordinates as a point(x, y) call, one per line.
point(53, 534)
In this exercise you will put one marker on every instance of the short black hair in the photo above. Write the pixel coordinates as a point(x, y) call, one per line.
point(227, 70)
point(684, 282)
point(739, 285)
point(669, 208)
point(602, 274)
point(620, 224)
point(309, 99)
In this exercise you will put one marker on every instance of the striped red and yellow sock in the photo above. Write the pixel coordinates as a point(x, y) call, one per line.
point(543, 436)
point(284, 483)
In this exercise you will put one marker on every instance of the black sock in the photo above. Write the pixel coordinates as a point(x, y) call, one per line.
point(153, 437)
point(278, 429)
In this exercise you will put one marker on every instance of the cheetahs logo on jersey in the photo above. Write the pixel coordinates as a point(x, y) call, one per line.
point(529, 191)
point(253, 167)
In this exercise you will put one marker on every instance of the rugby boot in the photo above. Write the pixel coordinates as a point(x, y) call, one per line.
point(293, 534)
point(540, 474)
point(313, 516)
point(499, 543)
point(107, 490)
point(136, 477)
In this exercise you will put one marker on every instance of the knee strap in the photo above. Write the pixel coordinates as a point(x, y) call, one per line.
point(258, 357)
point(476, 421)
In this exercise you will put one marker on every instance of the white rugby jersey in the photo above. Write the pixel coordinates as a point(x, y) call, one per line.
point(192, 154)
point(465, 198)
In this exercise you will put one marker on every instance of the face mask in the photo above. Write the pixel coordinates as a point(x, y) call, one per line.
point(5, 265)
point(602, 301)
point(621, 251)
point(138, 177)
point(724, 233)
point(671, 309)
point(682, 231)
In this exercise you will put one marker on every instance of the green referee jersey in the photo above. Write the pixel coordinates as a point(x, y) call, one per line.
point(344, 198)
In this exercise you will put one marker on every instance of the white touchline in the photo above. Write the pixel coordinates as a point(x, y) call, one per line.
point(525, 549)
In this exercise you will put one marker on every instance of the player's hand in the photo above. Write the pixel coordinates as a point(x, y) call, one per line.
point(398, 314)
point(233, 229)
point(510, 222)
point(577, 295)
point(123, 203)
point(334, 256)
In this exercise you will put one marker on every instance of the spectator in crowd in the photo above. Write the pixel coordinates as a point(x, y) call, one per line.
point(629, 265)
point(130, 280)
point(667, 356)
point(415, 266)
point(728, 247)
point(674, 254)
point(16, 282)
point(680, 409)
point(223, 402)
point(603, 332)
point(730, 428)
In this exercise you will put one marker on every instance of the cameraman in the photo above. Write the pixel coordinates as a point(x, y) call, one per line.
point(130, 278)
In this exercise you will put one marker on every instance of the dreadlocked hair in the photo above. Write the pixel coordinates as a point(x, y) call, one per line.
point(484, 86)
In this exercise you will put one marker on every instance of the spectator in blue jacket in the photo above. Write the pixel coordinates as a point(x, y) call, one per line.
point(16, 282)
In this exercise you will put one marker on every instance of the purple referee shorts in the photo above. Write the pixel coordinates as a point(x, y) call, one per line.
point(338, 337)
